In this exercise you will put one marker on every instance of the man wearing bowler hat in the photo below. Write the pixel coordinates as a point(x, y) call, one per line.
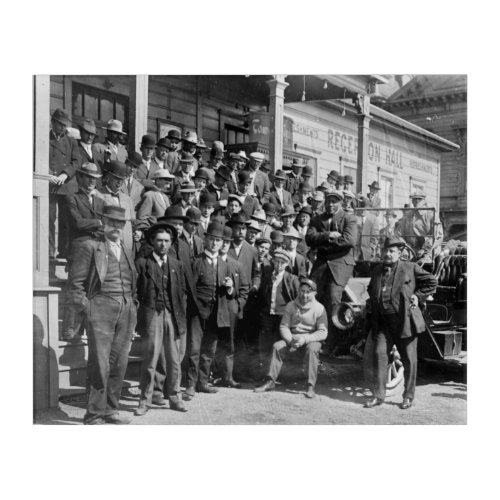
point(189, 142)
point(64, 159)
point(131, 186)
point(163, 146)
point(217, 188)
point(161, 318)
point(103, 285)
point(200, 179)
point(148, 167)
point(332, 179)
point(189, 235)
point(214, 288)
point(396, 290)
point(279, 196)
point(249, 203)
point(155, 202)
point(111, 194)
point(332, 235)
point(302, 329)
point(174, 136)
point(110, 149)
point(373, 195)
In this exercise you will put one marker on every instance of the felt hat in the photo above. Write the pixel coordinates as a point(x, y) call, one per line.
point(306, 210)
point(236, 219)
point(201, 173)
point(187, 158)
point(59, 115)
point(318, 196)
point(265, 166)
point(117, 169)
point(218, 146)
point(234, 196)
point(174, 134)
point(234, 156)
point(393, 241)
point(287, 210)
point(242, 155)
point(281, 254)
point(115, 126)
point(201, 144)
point(279, 174)
point(89, 126)
point(374, 185)
point(348, 179)
point(390, 213)
point(215, 229)
point(173, 214)
point(269, 208)
point(90, 169)
point(306, 187)
point(134, 160)
point(307, 171)
point(188, 187)
point(292, 233)
point(148, 141)
point(309, 283)
point(277, 237)
point(148, 233)
point(166, 143)
point(207, 199)
point(228, 234)
point(191, 137)
point(297, 162)
point(194, 215)
point(223, 172)
point(114, 212)
point(254, 225)
point(333, 174)
point(244, 177)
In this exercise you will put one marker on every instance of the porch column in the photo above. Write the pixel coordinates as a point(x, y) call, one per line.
point(363, 106)
point(277, 88)
point(138, 110)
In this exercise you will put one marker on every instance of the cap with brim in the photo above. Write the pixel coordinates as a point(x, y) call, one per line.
point(287, 211)
point(89, 126)
point(393, 242)
point(236, 219)
point(334, 194)
point(59, 115)
point(90, 169)
point(281, 254)
point(161, 225)
point(188, 187)
point(259, 241)
point(115, 126)
point(114, 212)
point(254, 225)
point(173, 213)
point(309, 283)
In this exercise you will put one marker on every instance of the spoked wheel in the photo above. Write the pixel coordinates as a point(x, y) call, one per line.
point(395, 371)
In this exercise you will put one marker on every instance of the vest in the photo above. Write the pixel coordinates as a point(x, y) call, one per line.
point(385, 292)
point(206, 287)
point(164, 299)
point(279, 306)
point(118, 280)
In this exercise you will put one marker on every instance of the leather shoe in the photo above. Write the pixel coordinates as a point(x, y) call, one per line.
point(231, 383)
point(268, 385)
point(373, 402)
point(189, 394)
point(407, 402)
point(141, 410)
point(94, 421)
point(177, 404)
point(206, 389)
point(310, 392)
point(116, 419)
point(159, 401)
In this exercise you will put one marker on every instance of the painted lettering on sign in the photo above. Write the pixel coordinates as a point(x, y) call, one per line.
point(299, 128)
point(342, 142)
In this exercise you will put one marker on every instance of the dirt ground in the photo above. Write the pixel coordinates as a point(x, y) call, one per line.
point(441, 398)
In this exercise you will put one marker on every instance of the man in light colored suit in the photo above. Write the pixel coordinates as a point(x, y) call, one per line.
point(156, 202)
point(116, 174)
point(261, 185)
point(110, 149)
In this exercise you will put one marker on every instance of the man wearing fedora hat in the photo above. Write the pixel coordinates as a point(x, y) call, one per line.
point(261, 185)
point(287, 215)
point(332, 236)
point(390, 230)
point(185, 174)
point(155, 202)
point(103, 285)
point(252, 232)
point(189, 142)
point(64, 159)
point(332, 179)
point(279, 196)
point(111, 149)
point(148, 167)
point(201, 147)
point(111, 194)
point(217, 188)
point(84, 216)
point(131, 186)
point(214, 288)
point(161, 318)
point(187, 193)
point(302, 329)
point(396, 290)
point(250, 203)
point(302, 196)
point(294, 177)
point(373, 195)
point(88, 131)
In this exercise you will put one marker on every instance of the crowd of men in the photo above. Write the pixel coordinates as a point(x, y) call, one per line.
point(221, 266)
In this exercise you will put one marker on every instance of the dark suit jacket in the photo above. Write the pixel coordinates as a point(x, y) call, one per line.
point(101, 159)
point(149, 283)
point(241, 286)
point(144, 176)
point(409, 279)
point(84, 219)
point(290, 288)
point(204, 299)
point(248, 261)
point(339, 253)
point(84, 156)
point(292, 183)
point(89, 269)
point(218, 210)
point(274, 198)
point(299, 266)
point(197, 245)
point(63, 158)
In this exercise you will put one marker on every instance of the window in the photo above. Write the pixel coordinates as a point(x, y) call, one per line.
point(386, 191)
point(235, 135)
point(100, 105)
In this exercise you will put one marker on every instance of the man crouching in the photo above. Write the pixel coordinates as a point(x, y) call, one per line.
point(302, 328)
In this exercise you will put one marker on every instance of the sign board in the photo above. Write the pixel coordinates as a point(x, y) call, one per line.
point(260, 129)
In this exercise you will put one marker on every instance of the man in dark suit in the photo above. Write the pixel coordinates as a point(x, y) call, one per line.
point(103, 284)
point(189, 235)
point(333, 234)
point(277, 287)
point(146, 170)
point(294, 177)
point(279, 196)
point(161, 318)
point(217, 188)
point(88, 132)
point(63, 162)
point(189, 142)
point(183, 175)
point(110, 149)
point(396, 288)
point(249, 203)
point(297, 264)
point(84, 215)
point(214, 288)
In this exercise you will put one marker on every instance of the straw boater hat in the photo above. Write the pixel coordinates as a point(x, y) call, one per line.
point(89, 169)
point(115, 126)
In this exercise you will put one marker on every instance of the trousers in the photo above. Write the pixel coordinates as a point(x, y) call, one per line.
point(111, 324)
point(387, 336)
point(161, 340)
point(310, 353)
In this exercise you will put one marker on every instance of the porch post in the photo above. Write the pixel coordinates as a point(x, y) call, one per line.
point(363, 106)
point(277, 88)
point(138, 110)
